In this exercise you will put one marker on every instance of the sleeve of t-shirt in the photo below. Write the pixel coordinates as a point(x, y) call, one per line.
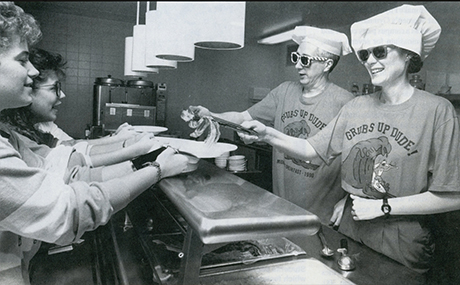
point(446, 148)
point(329, 141)
point(264, 110)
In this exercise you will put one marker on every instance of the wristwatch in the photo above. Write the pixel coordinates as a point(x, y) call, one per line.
point(386, 208)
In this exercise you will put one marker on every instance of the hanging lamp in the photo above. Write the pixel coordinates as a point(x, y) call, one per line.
point(220, 25)
point(129, 59)
point(173, 29)
point(151, 60)
point(138, 62)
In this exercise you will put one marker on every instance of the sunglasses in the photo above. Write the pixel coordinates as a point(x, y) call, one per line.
point(379, 52)
point(305, 60)
point(56, 86)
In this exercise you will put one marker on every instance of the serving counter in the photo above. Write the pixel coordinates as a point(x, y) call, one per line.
point(212, 227)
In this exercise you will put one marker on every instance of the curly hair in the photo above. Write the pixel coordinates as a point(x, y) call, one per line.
point(15, 22)
point(415, 64)
point(47, 63)
point(21, 119)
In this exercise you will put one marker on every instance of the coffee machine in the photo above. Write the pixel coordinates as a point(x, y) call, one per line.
point(116, 102)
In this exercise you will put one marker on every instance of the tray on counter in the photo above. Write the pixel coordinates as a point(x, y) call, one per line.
point(250, 251)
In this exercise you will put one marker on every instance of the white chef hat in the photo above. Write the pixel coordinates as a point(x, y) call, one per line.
point(407, 26)
point(325, 39)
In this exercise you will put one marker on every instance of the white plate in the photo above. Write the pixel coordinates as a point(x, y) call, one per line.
point(150, 129)
point(197, 148)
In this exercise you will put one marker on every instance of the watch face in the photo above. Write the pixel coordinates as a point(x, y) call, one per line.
point(386, 209)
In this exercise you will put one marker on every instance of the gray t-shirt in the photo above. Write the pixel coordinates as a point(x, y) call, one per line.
point(394, 150)
point(311, 185)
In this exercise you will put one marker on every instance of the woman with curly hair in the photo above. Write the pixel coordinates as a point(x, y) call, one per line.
point(36, 204)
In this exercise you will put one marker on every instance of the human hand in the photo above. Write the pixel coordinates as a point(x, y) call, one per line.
point(171, 163)
point(124, 126)
point(337, 215)
point(199, 111)
point(257, 126)
point(143, 143)
point(365, 209)
point(124, 131)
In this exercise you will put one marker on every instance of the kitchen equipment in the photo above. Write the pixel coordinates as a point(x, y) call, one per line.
point(105, 90)
point(161, 101)
point(140, 92)
point(139, 83)
point(345, 262)
point(325, 251)
point(116, 114)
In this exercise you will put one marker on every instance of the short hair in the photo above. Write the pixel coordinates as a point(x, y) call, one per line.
point(46, 63)
point(335, 58)
point(15, 22)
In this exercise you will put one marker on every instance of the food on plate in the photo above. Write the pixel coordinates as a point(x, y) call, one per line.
point(202, 124)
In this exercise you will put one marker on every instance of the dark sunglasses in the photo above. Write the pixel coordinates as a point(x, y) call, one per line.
point(56, 86)
point(379, 52)
point(305, 60)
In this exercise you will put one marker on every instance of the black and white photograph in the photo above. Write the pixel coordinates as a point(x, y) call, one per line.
point(229, 142)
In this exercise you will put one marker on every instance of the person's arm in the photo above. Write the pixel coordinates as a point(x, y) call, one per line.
point(122, 151)
point(235, 117)
point(293, 146)
point(123, 133)
point(38, 204)
point(426, 203)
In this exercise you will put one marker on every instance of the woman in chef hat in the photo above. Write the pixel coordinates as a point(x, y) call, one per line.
point(399, 146)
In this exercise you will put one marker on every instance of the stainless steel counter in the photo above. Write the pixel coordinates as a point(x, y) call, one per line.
point(220, 207)
point(217, 207)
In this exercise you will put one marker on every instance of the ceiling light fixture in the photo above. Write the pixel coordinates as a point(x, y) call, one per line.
point(220, 26)
point(173, 33)
point(129, 59)
point(151, 59)
point(135, 50)
point(277, 38)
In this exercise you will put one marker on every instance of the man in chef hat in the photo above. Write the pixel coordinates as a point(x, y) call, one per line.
point(302, 108)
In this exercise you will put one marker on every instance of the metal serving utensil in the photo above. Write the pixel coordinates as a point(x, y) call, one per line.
point(325, 251)
point(233, 126)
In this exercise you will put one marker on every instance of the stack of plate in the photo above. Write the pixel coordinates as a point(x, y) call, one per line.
point(237, 163)
point(221, 161)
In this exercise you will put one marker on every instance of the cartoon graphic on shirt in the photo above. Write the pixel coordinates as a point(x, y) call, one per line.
point(299, 129)
point(365, 164)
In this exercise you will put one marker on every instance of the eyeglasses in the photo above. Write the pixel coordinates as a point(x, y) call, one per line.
point(305, 60)
point(379, 52)
point(57, 88)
